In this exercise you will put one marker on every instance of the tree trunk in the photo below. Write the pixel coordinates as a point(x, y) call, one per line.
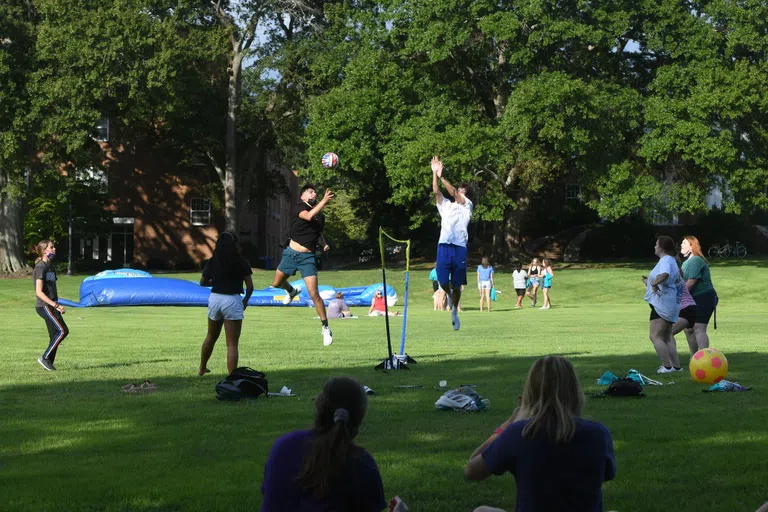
point(508, 242)
point(232, 223)
point(11, 230)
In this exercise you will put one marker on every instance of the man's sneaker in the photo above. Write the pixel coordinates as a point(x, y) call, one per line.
point(327, 336)
point(288, 298)
point(455, 319)
point(663, 369)
point(46, 364)
point(677, 369)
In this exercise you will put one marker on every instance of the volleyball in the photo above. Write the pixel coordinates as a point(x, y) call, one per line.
point(708, 366)
point(330, 160)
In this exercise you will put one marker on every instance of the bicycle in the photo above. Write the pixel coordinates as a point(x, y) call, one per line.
point(727, 250)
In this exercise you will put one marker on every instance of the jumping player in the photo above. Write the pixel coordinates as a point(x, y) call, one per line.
point(46, 304)
point(305, 235)
point(452, 246)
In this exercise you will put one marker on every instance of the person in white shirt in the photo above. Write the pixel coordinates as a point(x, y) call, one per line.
point(663, 292)
point(452, 246)
point(519, 276)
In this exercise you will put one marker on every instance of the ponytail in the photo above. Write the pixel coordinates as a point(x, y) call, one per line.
point(40, 248)
point(339, 410)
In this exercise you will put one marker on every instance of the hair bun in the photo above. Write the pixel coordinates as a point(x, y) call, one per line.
point(340, 415)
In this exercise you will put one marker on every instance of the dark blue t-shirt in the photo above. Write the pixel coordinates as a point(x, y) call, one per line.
point(359, 490)
point(555, 477)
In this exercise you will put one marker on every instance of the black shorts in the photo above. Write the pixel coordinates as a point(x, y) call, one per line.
point(689, 313)
point(435, 286)
point(655, 315)
point(705, 306)
point(520, 291)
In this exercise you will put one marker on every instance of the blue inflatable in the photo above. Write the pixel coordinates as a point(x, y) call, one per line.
point(144, 290)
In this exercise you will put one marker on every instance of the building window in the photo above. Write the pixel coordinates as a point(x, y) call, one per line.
point(200, 211)
point(101, 130)
point(572, 191)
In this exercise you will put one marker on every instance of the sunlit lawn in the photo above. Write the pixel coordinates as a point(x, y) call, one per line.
point(71, 440)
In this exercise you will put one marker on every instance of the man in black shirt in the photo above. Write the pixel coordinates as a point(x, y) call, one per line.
point(305, 235)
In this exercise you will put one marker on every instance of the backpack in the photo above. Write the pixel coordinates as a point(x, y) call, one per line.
point(242, 383)
point(624, 388)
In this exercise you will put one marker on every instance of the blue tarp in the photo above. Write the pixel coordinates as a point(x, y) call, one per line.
point(141, 290)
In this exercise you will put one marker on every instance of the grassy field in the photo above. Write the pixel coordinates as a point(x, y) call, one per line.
point(70, 440)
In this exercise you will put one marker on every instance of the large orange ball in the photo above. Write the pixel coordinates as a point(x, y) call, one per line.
point(708, 366)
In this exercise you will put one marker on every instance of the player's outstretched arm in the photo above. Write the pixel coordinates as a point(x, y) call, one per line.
point(308, 214)
point(437, 172)
point(452, 191)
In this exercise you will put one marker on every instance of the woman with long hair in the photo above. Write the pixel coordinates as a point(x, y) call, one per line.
point(323, 468)
point(559, 459)
point(699, 282)
point(663, 293)
point(485, 282)
point(534, 270)
point(225, 273)
point(546, 282)
point(46, 301)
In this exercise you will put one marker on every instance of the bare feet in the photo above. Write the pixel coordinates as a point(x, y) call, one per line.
point(203, 371)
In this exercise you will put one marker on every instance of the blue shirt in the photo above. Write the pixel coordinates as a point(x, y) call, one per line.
point(555, 477)
point(485, 273)
point(433, 275)
point(358, 489)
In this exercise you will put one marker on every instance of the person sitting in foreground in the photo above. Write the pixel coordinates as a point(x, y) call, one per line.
point(559, 460)
point(337, 308)
point(322, 468)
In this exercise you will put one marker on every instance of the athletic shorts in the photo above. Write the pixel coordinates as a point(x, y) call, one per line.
point(484, 285)
point(293, 261)
point(689, 313)
point(655, 315)
point(435, 286)
point(225, 307)
point(451, 264)
point(520, 291)
point(705, 306)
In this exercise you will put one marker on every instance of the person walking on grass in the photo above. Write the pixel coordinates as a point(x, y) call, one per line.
point(534, 271)
point(485, 282)
point(559, 460)
point(546, 282)
point(519, 278)
point(46, 302)
point(699, 282)
point(663, 293)
point(225, 273)
point(305, 236)
point(452, 245)
point(322, 468)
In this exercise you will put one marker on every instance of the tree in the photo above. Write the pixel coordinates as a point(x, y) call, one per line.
point(17, 37)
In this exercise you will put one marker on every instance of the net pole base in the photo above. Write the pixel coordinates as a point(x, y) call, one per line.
point(397, 362)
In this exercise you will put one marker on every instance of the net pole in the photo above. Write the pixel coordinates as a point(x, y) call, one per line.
point(405, 299)
point(386, 296)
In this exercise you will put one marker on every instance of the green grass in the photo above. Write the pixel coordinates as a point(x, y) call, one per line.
point(71, 440)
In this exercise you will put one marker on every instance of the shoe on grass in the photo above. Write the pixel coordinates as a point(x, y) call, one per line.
point(46, 364)
point(327, 336)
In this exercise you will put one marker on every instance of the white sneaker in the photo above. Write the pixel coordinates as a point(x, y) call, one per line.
point(327, 336)
point(288, 298)
point(677, 369)
point(662, 369)
point(455, 319)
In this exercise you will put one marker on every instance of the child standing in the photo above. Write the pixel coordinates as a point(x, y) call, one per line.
point(485, 282)
point(519, 278)
point(46, 303)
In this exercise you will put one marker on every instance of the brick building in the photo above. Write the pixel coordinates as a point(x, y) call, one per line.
point(162, 217)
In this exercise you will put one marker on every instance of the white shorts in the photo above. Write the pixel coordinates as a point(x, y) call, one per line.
point(484, 285)
point(225, 307)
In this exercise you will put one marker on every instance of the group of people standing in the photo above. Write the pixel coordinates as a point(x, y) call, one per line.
point(681, 297)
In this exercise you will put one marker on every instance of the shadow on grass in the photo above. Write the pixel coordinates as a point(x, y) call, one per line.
point(119, 365)
point(181, 449)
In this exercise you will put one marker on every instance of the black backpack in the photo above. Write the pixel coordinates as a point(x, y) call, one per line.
point(624, 388)
point(242, 383)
